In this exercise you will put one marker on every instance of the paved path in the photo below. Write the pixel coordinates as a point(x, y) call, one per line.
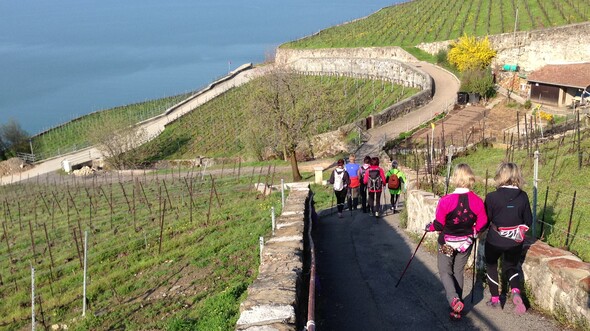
point(446, 87)
point(359, 261)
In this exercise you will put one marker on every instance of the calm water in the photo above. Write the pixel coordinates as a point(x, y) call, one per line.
point(64, 58)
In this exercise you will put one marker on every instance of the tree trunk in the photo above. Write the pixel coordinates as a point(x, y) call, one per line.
point(294, 168)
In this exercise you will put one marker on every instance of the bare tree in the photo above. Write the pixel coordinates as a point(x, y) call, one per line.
point(287, 112)
point(119, 142)
point(13, 137)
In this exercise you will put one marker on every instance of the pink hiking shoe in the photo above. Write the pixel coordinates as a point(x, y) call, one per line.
point(519, 307)
point(457, 305)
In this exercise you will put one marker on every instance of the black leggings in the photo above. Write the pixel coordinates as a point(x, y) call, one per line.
point(340, 197)
point(375, 201)
point(394, 199)
point(510, 258)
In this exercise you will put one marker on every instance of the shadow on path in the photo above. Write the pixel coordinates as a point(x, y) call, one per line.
point(360, 259)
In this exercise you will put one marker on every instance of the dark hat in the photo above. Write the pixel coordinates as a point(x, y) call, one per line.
point(394, 163)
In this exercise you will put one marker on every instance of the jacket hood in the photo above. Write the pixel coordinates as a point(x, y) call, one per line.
point(509, 193)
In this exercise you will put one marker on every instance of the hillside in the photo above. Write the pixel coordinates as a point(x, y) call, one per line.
point(418, 21)
point(217, 128)
point(171, 251)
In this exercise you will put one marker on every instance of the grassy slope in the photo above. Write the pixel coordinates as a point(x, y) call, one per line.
point(413, 22)
point(74, 135)
point(215, 128)
point(129, 281)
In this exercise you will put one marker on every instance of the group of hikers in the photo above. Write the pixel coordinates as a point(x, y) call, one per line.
point(460, 218)
point(367, 182)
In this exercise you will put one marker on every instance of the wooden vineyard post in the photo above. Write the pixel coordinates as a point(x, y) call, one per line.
point(149, 205)
point(77, 247)
point(569, 226)
point(210, 202)
point(7, 242)
point(162, 227)
point(32, 240)
point(49, 248)
point(126, 198)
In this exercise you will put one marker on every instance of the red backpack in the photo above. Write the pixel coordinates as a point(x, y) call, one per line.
point(393, 182)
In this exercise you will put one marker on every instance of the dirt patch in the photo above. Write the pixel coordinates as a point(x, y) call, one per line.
point(470, 124)
point(12, 166)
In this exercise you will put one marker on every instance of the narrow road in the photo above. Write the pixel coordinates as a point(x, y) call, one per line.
point(446, 86)
point(359, 261)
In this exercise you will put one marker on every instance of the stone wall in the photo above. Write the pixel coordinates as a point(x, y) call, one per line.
point(277, 293)
point(558, 281)
point(533, 49)
point(383, 63)
point(285, 56)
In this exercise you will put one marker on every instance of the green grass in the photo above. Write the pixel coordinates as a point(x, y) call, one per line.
point(216, 128)
point(74, 134)
point(558, 170)
point(131, 283)
point(413, 22)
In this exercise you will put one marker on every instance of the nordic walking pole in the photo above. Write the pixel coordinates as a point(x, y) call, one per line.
point(332, 205)
point(349, 197)
point(474, 258)
point(407, 265)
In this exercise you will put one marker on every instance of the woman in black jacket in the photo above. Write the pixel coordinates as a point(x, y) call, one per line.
point(509, 216)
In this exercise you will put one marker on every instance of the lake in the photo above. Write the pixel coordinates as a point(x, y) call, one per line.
point(65, 58)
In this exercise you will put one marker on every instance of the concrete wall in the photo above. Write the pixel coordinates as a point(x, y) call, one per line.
point(533, 49)
point(277, 293)
point(558, 281)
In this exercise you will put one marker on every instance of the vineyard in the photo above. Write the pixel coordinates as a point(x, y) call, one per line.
point(413, 22)
point(563, 196)
point(564, 168)
point(216, 128)
point(73, 135)
point(172, 250)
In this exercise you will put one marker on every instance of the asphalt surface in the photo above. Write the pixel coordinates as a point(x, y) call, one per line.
point(360, 259)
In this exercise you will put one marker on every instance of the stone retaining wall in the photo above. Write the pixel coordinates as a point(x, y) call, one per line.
point(277, 293)
point(380, 63)
point(534, 49)
point(558, 281)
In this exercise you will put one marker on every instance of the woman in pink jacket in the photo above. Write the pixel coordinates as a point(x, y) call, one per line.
point(460, 216)
point(374, 179)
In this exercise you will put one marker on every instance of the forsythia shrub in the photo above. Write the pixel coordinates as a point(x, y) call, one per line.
point(471, 53)
point(546, 116)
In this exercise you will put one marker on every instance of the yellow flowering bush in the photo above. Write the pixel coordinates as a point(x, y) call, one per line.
point(546, 117)
point(471, 53)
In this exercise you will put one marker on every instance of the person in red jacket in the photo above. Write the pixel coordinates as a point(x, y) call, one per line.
point(510, 215)
point(460, 216)
point(374, 179)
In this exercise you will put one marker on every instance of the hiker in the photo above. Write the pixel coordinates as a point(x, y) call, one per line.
point(340, 180)
point(510, 216)
point(395, 179)
point(374, 179)
point(353, 189)
point(363, 187)
point(460, 216)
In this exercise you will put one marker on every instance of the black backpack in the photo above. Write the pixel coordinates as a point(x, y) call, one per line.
point(375, 182)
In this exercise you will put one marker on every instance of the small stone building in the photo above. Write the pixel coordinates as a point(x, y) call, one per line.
point(559, 84)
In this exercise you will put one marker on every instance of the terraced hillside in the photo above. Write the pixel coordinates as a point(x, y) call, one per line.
point(217, 128)
point(413, 22)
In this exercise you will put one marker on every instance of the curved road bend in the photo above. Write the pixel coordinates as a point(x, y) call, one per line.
point(446, 86)
point(359, 261)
